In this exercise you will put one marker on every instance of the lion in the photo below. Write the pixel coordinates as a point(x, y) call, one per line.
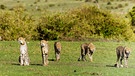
point(24, 57)
point(57, 48)
point(122, 53)
point(44, 51)
point(87, 49)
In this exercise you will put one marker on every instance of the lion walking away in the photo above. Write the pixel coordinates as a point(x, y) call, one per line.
point(57, 48)
point(87, 49)
point(122, 53)
point(44, 51)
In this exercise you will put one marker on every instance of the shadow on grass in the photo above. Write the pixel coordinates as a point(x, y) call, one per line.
point(15, 63)
point(110, 66)
point(131, 66)
point(103, 65)
point(51, 59)
point(37, 64)
point(41, 63)
point(119, 67)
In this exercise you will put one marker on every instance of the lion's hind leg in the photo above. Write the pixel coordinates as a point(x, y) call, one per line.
point(121, 61)
point(117, 62)
point(57, 56)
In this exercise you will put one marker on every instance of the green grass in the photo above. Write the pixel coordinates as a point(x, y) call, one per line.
point(103, 59)
point(54, 6)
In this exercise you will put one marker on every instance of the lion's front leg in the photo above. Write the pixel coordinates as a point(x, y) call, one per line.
point(126, 62)
point(21, 59)
point(117, 62)
point(45, 59)
point(90, 57)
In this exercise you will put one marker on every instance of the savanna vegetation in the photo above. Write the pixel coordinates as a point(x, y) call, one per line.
point(79, 23)
point(86, 20)
point(104, 59)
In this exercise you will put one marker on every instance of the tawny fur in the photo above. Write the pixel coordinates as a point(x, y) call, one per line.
point(24, 57)
point(87, 49)
point(44, 51)
point(122, 53)
point(57, 48)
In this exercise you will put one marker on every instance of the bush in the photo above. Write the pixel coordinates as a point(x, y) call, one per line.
point(14, 24)
point(53, 27)
point(82, 23)
point(51, 5)
point(120, 5)
point(2, 7)
point(109, 3)
point(126, 4)
point(88, 0)
point(132, 16)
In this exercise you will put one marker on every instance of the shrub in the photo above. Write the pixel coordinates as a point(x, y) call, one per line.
point(126, 4)
point(2, 7)
point(88, 0)
point(51, 5)
point(46, 0)
point(82, 23)
point(14, 24)
point(120, 5)
point(18, 1)
point(132, 16)
point(109, 3)
point(52, 27)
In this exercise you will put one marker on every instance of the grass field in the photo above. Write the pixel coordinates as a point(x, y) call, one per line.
point(37, 7)
point(103, 60)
